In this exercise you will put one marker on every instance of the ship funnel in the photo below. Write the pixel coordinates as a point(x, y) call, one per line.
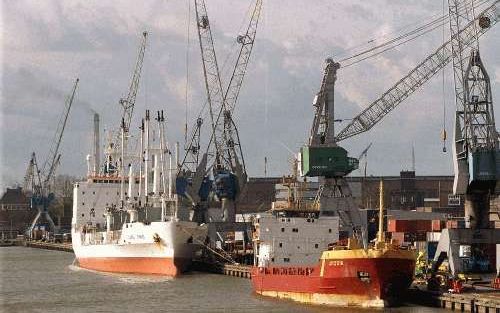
point(96, 151)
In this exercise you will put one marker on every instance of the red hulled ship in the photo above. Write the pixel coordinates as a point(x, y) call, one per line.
point(287, 267)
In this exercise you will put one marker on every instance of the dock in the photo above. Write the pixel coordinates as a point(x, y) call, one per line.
point(66, 247)
point(481, 302)
point(235, 270)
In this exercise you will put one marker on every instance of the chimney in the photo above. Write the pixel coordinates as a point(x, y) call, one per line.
point(96, 151)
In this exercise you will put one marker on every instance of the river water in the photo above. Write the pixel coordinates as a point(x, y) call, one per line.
point(34, 280)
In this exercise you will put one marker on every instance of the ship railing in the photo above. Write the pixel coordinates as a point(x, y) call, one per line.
point(302, 271)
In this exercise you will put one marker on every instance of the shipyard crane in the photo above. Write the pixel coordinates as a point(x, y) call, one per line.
point(323, 158)
point(224, 148)
point(127, 104)
point(476, 153)
point(40, 178)
point(417, 77)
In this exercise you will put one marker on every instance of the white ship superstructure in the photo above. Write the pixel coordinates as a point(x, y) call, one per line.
point(129, 222)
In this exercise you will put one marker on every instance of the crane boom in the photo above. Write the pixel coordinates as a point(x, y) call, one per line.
point(213, 84)
point(231, 95)
point(418, 76)
point(247, 40)
point(129, 102)
point(50, 164)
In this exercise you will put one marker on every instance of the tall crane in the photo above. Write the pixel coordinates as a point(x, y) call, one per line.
point(223, 154)
point(114, 145)
point(417, 77)
point(42, 193)
point(476, 153)
point(323, 158)
point(128, 103)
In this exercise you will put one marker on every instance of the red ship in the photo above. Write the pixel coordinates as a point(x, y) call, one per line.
point(343, 276)
point(352, 277)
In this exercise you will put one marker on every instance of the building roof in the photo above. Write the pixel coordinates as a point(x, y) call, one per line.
point(14, 196)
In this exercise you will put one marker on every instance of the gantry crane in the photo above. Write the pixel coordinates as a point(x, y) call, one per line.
point(476, 154)
point(39, 180)
point(323, 158)
point(223, 155)
point(127, 103)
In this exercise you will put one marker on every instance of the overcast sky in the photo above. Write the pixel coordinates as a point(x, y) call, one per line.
point(47, 44)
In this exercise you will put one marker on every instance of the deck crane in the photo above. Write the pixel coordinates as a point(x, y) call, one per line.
point(40, 179)
point(127, 103)
point(223, 153)
point(324, 158)
point(476, 153)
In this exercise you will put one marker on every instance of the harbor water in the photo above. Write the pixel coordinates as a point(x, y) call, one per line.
point(35, 280)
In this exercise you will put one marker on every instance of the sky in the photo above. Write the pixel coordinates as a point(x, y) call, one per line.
point(46, 45)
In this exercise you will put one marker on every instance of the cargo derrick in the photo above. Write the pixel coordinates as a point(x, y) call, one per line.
point(223, 157)
point(38, 180)
point(113, 163)
point(476, 153)
point(322, 157)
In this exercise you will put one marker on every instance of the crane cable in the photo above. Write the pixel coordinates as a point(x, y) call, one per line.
point(443, 133)
point(413, 34)
point(186, 95)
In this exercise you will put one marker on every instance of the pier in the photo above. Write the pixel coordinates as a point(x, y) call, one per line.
point(49, 246)
point(235, 270)
point(483, 302)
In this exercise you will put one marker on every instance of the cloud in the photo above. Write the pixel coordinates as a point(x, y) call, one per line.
point(45, 45)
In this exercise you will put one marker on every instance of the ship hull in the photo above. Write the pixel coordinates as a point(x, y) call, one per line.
point(137, 265)
point(159, 248)
point(364, 282)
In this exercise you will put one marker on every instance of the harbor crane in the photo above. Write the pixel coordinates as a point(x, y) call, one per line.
point(113, 154)
point(38, 180)
point(324, 158)
point(223, 155)
point(476, 154)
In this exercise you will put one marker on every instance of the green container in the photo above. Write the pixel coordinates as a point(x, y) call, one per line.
point(326, 161)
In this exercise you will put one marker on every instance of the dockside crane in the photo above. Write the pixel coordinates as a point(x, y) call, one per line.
point(223, 155)
point(127, 103)
point(324, 158)
point(39, 179)
point(476, 154)
point(417, 77)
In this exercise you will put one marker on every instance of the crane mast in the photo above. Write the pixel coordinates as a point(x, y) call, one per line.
point(128, 103)
point(417, 77)
point(223, 152)
point(40, 179)
point(231, 94)
point(323, 158)
point(48, 169)
point(213, 84)
point(475, 147)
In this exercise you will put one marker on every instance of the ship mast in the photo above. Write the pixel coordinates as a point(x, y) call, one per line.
point(380, 235)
